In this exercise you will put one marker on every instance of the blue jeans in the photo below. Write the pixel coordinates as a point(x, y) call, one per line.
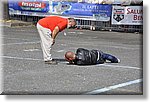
point(109, 57)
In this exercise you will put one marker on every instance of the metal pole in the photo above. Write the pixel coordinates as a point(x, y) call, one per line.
point(5, 10)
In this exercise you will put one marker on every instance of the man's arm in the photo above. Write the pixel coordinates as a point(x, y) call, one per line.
point(54, 33)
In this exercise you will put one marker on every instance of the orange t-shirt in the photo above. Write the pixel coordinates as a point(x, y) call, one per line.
point(53, 21)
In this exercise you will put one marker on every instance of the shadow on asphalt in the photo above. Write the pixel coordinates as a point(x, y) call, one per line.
point(60, 60)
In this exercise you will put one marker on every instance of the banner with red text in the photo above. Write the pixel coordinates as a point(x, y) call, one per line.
point(127, 15)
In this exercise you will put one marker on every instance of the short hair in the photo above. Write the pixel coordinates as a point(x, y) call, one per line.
point(69, 54)
point(71, 19)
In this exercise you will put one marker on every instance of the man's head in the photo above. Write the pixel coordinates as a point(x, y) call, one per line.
point(70, 56)
point(71, 22)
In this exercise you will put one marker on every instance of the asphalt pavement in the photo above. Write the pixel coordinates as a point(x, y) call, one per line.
point(24, 71)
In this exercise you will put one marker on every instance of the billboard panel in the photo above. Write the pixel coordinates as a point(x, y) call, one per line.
point(98, 12)
point(19, 6)
point(129, 15)
point(95, 11)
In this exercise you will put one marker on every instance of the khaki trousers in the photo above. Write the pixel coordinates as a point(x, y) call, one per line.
point(46, 41)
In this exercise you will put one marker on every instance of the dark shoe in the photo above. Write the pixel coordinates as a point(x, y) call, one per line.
point(53, 62)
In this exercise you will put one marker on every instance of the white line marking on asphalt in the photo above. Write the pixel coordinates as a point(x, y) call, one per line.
point(121, 47)
point(115, 66)
point(13, 38)
point(62, 44)
point(76, 32)
point(31, 59)
point(118, 66)
point(80, 33)
point(72, 32)
point(98, 91)
point(22, 43)
point(22, 58)
point(31, 50)
point(60, 51)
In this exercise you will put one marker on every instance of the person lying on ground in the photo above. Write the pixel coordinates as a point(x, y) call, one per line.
point(89, 57)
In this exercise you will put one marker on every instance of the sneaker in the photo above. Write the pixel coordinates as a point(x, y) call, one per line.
point(118, 60)
point(51, 62)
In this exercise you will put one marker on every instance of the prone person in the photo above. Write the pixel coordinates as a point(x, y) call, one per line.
point(89, 57)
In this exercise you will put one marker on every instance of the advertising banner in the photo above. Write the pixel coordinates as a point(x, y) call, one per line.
point(95, 11)
point(20, 6)
point(129, 15)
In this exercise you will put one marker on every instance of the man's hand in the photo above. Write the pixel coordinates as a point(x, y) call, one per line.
point(53, 42)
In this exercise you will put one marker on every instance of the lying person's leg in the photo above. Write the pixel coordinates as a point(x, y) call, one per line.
point(110, 57)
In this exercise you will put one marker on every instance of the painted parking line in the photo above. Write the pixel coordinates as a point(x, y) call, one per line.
point(22, 43)
point(109, 88)
point(119, 66)
point(80, 33)
point(22, 58)
point(61, 51)
point(5, 37)
point(65, 62)
point(31, 50)
point(71, 32)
